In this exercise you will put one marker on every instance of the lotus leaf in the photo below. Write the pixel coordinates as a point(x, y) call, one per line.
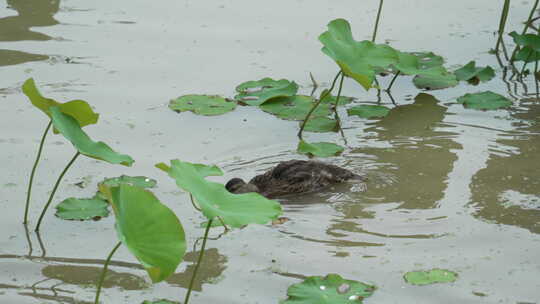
point(527, 40)
point(320, 149)
point(78, 109)
point(484, 101)
point(435, 82)
point(329, 98)
point(410, 64)
point(255, 93)
point(139, 181)
point(236, 210)
point(82, 209)
point(474, 74)
point(321, 124)
point(430, 277)
point(358, 60)
point(295, 108)
point(160, 302)
point(332, 289)
point(527, 54)
point(428, 59)
point(202, 104)
point(149, 229)
point(69, 127)
point(369, 111)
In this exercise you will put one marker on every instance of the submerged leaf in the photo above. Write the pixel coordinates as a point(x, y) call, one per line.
point(71, 130)
point(202, 104)
point(295, 108)
point(332, 289)
point(149, 229)
point(484, 101)
point(320, 149)
point(255, 93)
point(236, 210)
point(474, 74)
point(430, 277)
point(369, 111)
point(82, 208)
point(78, 109)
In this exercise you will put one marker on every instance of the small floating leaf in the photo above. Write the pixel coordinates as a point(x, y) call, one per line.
point(202, 104)
point(428, 60)
point(484, 101)
point(71, 130)
point(255, 93)
point(295, 108)
point(320, 149)
point(332, 289)
point(139, 181)
point(160, 302)
point(82, 208)
point(430, 277)
point(474, 74)
point(78, 109)
point(321, 124)
point(236, 210)
point(369, 111)
point(149, 229)
point(435, 82)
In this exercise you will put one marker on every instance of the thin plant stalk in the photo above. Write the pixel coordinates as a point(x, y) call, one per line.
point(377, 21)
point(502, 24)
point(104, 272)
point(536, 77)
point(36, 162)
point(308, 115)
point(336, 115)
point(199, 261)
point(54, 189)
point(392, 81)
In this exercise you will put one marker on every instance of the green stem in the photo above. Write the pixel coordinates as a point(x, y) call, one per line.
point(104, 272)
point(54, 189)
point(336, 115)
point(28, 193)
point(502, 23)
point(377, 21)
point(535, 77)
point(392, 81)
point(186, 300)
point(322, 97)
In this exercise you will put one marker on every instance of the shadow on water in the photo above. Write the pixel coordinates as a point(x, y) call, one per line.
point(18, 28)
point(507, 191)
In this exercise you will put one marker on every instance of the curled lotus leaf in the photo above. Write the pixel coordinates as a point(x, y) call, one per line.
point(202, 104)
point(255, 93)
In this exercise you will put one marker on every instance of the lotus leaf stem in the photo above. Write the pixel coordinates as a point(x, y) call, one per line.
point(336, 115)
point(535, 5)
point(502, 24)
point(199, 260)
point(104, 272)
point(392, 81)
point(377, 21)
point(322, 97)
point(54, 189)
point(36, 162)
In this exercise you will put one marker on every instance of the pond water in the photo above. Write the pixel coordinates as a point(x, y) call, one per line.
point(449, 187)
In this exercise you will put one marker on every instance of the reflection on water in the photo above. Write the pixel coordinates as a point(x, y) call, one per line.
point(30, 13)
point(507, 191)
point(209, 271)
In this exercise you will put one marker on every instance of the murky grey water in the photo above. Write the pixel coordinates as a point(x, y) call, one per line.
point(449, 187)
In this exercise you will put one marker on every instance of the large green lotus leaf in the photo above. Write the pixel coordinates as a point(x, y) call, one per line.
point(358, 60)
point(527, 54)
point(471, 73)
point(139, 181)
point(369, 111)
point(321, 124)
point(530, 40)
point(410, 64)
point(430, 277)
point(331, 99)
point(435, 82)
point(320, 149)
point(255, 93)
point(78, 109)
point(82, 208)
point(484, 101)
point(149, 229)
point(236, 210)
point(295, 108)
point(202, 104)
point(71, 130)
point(332, 289)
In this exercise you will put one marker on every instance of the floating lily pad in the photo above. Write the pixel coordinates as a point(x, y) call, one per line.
point(331, 99)
point(530, 40)
point(149, 229)
point(321, 124)
point(484, 101)
point(474, 74)
point(69, 127)
point(428, 60)
point(430, 277)
point(236, 210)
point(82, 208)
point(320, 149)
point(369, 111)
point(410, 64)
point(202, 104)
point(80, 110)
point(295, 108)
point(435, 82)
point(255, 93)
point(332, 289)
point(160, 302)
point(139, 181)
point(358, 60)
